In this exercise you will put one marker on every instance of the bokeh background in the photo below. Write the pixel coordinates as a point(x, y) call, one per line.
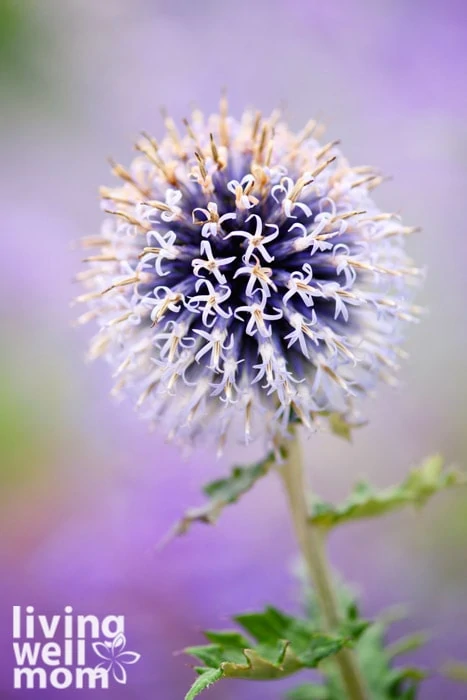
point(86, 491)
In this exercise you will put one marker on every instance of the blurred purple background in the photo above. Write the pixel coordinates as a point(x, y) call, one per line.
point(86, 491)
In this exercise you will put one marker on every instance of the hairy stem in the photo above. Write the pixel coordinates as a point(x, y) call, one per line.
point(312, 547)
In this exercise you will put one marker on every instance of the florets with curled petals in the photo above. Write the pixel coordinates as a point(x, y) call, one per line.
point(245, 271)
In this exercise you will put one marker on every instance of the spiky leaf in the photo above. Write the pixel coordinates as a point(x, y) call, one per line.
point(223, 492)
point(368, 502)
point(277, 646)
point(203, 681)
point(382, 680)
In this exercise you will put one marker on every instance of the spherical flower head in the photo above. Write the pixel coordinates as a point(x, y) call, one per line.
point(245, 279)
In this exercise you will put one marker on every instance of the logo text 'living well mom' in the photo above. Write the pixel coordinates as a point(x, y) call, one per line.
point(68, 650)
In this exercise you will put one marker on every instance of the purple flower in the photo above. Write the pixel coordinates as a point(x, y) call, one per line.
point(246, 277)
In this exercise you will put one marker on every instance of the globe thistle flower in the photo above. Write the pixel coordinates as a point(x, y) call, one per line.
point(244, 273)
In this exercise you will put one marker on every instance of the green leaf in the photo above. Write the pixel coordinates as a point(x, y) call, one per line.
point(277, 646)
point(340, 427)
point(240, 480)
point(203, 681)
point(367, 502)
point(410, 643)
point(223, 492)
point(382, 680)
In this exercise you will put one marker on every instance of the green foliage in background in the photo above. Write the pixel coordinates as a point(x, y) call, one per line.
point(367, 502)
point(456, 671)
point(22, 442)
point(377, 661)
point(31, 59)
point(33, 423)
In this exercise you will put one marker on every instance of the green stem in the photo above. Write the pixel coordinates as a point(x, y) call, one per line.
point(312, 546)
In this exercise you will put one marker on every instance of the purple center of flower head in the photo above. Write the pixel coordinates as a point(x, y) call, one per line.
point(246, 274)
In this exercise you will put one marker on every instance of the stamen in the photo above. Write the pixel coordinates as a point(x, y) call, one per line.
point(154, 157)
point(107, 193)
point(101, 258)
point(215, 154)
point(223, 129)
point(325, 149)
point(317, 171)
point(121, 172)
point(122, 283)
point(256, 123)
point(131, 219)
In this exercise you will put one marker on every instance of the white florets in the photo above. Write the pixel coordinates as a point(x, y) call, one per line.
point(244, 272)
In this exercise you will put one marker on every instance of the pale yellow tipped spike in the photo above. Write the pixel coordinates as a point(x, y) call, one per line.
point(202, 164)
point(325, 149)
point(151, 140)
point(93, 242)
point(156, 204)
point(256, 123)
point(301, 183)
point(322, 167)
point(223, 128)
point(87, 274)
point(142, 397)
point(123, 173)
point(107, 193)
point(84, 298)
point(119, 319)
point(101, 258)
point(349, 214)
point(307, 131)
point(121, 283)
point(378, 181)
point(155, 158)
point(131, 219)
point(258, 156)
point(215, 154)
point(86, 317)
